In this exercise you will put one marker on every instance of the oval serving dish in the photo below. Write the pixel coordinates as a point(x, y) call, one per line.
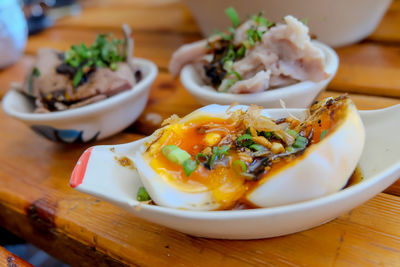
point(99, 174)
point(88, 123)
point(298, 95)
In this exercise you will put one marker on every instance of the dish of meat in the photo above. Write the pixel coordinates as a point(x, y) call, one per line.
point(254, 56)
point(84, 103)
point(82, 75)
point(257, 62)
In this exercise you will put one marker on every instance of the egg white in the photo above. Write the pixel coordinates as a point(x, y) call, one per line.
point(324, 168)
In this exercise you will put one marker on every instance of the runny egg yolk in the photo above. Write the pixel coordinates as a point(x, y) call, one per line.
point(226, 186)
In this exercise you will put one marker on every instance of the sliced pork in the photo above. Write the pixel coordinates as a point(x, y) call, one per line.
point(82, 75)
point(256, 56)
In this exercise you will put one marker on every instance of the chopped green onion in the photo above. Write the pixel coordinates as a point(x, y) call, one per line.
point(241, 164)
point(253, 35)
point(113, 66)
point(293, 133)
point(268, 134)
point(237, 75)
point(233, 15)
point(289, 149)
point(245, 140)
point(241, 51)
point(226, 37)
point(222, 150)
point(217, 152)
point(174, 154)
point(257, 147)
point(304, 21)
point(323, 134)
point(200, 157)
point(230, 54)
point(189, 166)
point(301, 142)
point(77, 78)
point(228, 65)
point(229, 84)
point(260, 20)
point(35, 72)
point(142, 194)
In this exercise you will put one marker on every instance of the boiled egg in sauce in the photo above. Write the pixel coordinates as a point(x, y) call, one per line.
point(219, 158)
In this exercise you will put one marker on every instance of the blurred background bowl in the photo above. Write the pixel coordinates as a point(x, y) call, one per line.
point(92, 122)
point(298, 95)
point(334, 22)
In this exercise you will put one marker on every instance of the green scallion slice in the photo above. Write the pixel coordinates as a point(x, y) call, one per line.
point(257, 147)
point(289, 149)
point(301, 142)
point(237, 75)
point(241, 51)
point(268, 134)
point(189, 166)
point(323, 134)
point(113, 66)
point(217, 152)
point(245, 140)
point(142, 194)
point(174, 154)
point(293, 133)
point(77, 78)
point(233, 15)
point(239, 164)
point(35, 72)
point(201, 158)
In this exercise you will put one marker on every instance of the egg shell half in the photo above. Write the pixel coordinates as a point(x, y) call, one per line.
point(324, 168)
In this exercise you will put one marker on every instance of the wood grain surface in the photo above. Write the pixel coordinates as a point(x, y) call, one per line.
point(37, 204)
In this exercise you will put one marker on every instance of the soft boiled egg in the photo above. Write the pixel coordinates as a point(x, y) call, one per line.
point(221, 157)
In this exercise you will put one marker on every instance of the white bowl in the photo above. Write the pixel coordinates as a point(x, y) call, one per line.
point(299, 95)
point(336, 23)
point(99, 174)
point(88, 123)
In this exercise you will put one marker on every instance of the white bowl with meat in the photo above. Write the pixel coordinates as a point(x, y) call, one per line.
point(336, 23)
point(88, 102)
point(256, 62)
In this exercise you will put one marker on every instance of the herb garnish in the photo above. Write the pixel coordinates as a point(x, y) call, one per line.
point(226, 52)
point(142, 194)
point(323, 134)
point(106, 51)
point(233, 15)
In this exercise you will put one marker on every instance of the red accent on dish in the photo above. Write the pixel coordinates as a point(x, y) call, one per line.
point(80, 168)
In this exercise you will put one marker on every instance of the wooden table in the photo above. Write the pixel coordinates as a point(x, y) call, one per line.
point(37, 204)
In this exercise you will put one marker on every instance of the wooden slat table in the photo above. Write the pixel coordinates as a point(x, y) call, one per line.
point(37, 204)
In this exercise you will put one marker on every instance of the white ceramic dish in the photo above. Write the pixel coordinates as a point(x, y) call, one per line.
point(92, 122)
point(336, 23)
point(299, 95)
point(99, 174)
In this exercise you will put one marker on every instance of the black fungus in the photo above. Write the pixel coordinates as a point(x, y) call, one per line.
point(257, 167)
